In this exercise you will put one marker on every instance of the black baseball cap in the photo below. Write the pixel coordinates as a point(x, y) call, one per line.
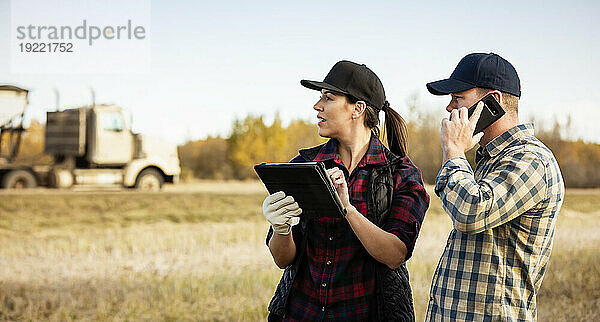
point(479, 70)
point(353, 79)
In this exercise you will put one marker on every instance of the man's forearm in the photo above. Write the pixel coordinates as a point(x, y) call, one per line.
point(383, 246)
point(283, 249)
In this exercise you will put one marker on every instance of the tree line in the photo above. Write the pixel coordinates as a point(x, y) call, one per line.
point(253, 140)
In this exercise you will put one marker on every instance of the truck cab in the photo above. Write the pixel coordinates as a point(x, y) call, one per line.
point(110, 142)
point(93, 146)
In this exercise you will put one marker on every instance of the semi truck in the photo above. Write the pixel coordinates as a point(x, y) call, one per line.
point(91, 147)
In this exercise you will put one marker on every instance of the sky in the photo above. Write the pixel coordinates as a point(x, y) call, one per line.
point(214, 61)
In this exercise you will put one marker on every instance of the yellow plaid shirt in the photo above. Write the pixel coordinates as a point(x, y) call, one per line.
point(504, 217)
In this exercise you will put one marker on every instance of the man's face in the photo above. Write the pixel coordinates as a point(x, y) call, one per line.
point(465, 98)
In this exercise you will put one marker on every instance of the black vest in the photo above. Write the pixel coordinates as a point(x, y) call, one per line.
point(392, 288)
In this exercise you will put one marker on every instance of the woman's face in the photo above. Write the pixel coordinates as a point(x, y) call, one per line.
point(334, 114)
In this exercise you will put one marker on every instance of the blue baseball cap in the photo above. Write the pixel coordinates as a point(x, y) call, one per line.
point(479, 70)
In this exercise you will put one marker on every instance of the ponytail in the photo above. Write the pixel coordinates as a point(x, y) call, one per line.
point(395, 127)
point(395, 130)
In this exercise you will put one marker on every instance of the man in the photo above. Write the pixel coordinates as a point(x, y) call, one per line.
point(504, 213)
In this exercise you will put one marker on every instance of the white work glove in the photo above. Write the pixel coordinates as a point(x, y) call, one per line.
point(281, 212)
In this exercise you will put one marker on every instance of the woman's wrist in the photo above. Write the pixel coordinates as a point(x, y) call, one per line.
point(350, 210)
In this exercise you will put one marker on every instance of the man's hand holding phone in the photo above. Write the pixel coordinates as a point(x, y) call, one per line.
point(456, 135)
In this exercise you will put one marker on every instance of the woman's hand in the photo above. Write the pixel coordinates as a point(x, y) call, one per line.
point(281, 212)
point(339, 183)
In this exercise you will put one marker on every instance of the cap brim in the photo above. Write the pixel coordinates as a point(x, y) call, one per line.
point(448, 86)
point(317, 86)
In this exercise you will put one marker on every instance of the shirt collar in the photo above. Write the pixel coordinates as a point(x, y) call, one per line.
point(499, 143)
point(375, 153)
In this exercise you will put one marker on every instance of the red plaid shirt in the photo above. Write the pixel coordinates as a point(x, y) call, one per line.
point(337, 282)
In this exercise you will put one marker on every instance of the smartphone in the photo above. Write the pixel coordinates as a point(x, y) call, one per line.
point(492, 111)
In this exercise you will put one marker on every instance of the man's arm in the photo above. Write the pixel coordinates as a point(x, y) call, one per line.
point(516, 185)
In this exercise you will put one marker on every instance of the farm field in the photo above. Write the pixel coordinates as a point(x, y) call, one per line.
point(197, 252)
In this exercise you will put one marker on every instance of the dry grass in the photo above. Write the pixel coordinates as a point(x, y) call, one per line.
point(185, 255)
point(159, 271)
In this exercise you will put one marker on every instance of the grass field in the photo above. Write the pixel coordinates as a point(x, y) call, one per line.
point(197, 253)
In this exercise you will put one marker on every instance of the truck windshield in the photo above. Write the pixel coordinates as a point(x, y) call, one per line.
point(112, 121)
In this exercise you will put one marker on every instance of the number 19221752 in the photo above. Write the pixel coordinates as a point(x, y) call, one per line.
point(46, 47)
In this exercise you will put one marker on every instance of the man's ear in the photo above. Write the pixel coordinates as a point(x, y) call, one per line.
point(359, 109)
point(498, 96)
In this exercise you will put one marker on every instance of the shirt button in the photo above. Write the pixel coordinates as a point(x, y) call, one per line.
point(328, 262)
point(324, 284)
point(323, 309)
point(330, 237)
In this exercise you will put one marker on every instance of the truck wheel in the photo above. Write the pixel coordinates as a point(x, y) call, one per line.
point(149, 180)
point(19, 179)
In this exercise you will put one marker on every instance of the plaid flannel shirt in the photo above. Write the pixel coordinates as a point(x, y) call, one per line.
point(337, 282)
point(504, 218)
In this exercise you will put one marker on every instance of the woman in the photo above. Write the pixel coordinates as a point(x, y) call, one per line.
point(350, 268)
